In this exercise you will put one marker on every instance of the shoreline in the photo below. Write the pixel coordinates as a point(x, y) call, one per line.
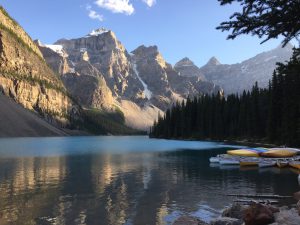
point(229, 142)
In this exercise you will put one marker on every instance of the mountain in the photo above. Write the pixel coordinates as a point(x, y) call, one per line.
point(27, 79)
point(97, 70)
point(99, 73)
point(242, 76)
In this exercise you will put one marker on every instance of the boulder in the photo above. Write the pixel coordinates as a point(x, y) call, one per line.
point(189, 220)
point(226, 221)
point(287, 217)
point(235, 211)
point(259, 214)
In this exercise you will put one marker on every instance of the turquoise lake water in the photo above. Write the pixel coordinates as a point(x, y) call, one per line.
point(123, 180)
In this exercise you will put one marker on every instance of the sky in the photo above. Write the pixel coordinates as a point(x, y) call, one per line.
point(180, 28)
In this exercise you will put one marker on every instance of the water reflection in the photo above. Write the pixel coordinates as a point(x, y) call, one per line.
point(125, 188)
point(27, 186)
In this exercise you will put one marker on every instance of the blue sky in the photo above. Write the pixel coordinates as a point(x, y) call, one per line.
point(179, 28)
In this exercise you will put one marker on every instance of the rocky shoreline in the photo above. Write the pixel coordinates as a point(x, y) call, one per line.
point(252, 214)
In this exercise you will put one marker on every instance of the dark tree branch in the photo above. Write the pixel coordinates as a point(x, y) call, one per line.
point(267, 19)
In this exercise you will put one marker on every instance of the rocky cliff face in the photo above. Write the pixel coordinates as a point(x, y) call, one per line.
point(99, 72)
point(105, 53)
point(82, 80)
point(166, 83)
point(242, 76)
point(25, 76)
point(152, 69)
point(56, 58)
point(88, 86)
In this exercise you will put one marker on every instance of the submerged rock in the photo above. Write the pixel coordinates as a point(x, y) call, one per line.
point(189, 220)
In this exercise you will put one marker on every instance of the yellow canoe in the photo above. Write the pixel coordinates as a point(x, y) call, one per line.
point(295, 165)
point(243, 152)
point(248, 163)
point(279, 153)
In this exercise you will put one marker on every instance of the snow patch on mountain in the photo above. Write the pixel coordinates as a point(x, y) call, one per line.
point(57, 48)
point(97, 32)
point(147, 92)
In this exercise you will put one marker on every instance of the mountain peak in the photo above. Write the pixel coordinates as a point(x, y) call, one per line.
point(184, 62)
point(147, 48)
point(151, 50)
point(213, 61)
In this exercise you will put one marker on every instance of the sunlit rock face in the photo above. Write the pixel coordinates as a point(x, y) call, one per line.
point(102, 50)
point(259, 68)
point(88, 86)
point(26, 77)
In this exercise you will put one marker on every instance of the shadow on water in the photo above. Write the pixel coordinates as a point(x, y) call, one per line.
point(151, 186)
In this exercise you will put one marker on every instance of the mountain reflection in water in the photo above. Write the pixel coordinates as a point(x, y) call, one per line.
point(114, 187)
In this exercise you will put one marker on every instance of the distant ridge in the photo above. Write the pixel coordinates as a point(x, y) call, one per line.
point(242, 76)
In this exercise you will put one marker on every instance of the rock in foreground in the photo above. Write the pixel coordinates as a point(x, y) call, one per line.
point(287, 217)
point(259, 214)
point(235, 211)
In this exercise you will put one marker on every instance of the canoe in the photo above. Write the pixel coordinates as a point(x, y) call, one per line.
point(244, 152)
point(248, 163)
point(287, 149)
point(295, 164)
point(214, 159)
point(229, 162)
point(282, 164)
point(279, 153)
point(264, 164)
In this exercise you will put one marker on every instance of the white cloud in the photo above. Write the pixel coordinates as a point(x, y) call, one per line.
point(150, 3)
point(116, 6)
point(93, 14)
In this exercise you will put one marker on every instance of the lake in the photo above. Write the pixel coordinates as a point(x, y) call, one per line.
point(123, 180)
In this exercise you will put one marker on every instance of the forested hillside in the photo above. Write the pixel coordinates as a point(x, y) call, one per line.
point(270, 114)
